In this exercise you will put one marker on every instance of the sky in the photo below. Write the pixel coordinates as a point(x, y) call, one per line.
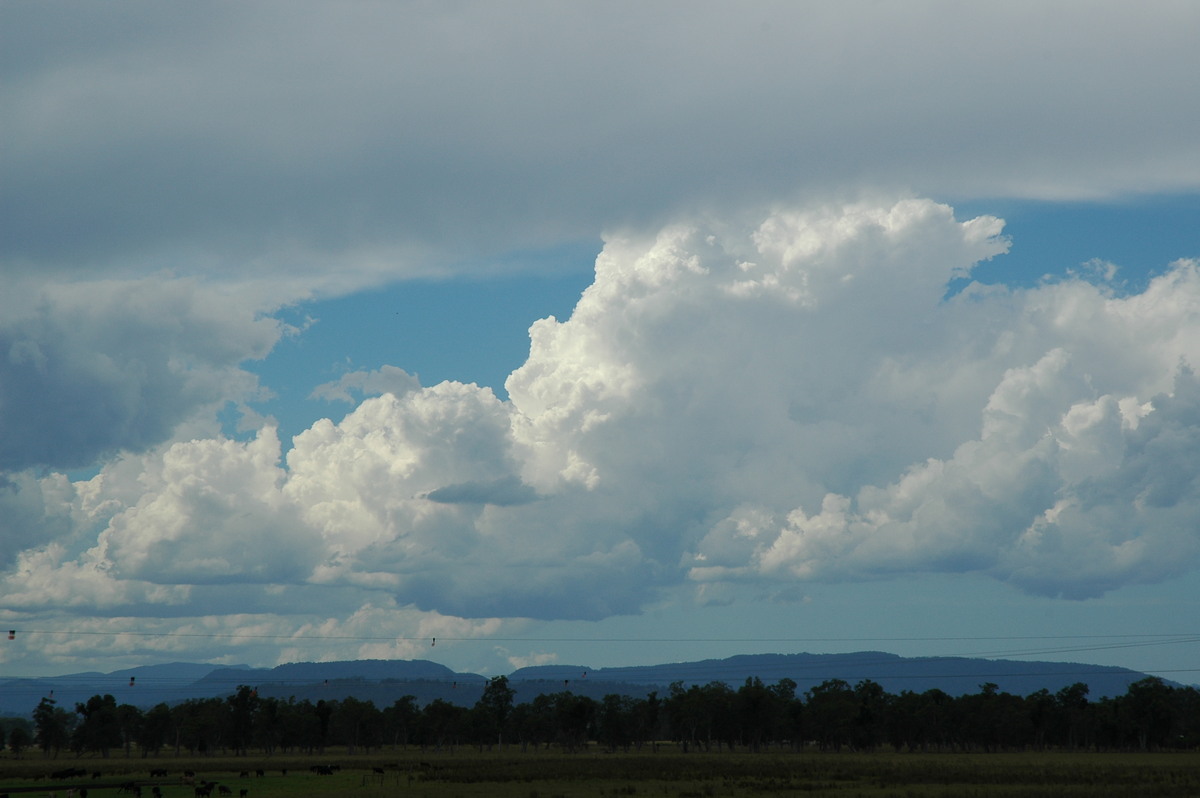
point(598, 333)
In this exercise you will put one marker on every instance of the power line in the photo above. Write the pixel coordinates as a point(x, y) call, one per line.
point(1164, 637)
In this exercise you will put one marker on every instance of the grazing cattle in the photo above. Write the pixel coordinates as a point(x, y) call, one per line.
point(260, 773)
point(242, 793)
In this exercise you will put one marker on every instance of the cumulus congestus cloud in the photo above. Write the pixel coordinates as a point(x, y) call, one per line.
point(792, 400)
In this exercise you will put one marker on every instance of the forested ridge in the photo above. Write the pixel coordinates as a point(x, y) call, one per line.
point(834, 715)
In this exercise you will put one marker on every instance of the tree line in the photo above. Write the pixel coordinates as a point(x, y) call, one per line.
point(832, 716)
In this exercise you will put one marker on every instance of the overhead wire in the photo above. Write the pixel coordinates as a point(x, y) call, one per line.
point(1183, 636)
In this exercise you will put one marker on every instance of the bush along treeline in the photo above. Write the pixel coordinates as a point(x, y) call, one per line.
point(833, 716)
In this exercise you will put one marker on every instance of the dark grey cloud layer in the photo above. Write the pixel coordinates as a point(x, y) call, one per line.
point(301, 135)
point(90, 369)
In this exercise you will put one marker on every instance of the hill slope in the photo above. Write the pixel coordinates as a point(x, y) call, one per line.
point(385, 681)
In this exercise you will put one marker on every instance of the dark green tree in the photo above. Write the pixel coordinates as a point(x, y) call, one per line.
point(494, 707)
point(268, 725)
point(300, 726)
point(758, 712)
point(702, 715)
point(100, 729)
point(994, 720)
point(356, 724)
point(202, 725)
point(615, 722)
point(534, 722)
point(156, 729)
point(1045, 716)
point(129, 720)
point(18, 740)
point(52, 726)
point(1149, 708)
point(1187, 716)
point(870, 723)
point(647, 720)
point(445, 724)
point(1073, 716)
point(401, 719)
point(574, 717)
point(830, 713)
point(243, 706)
point(324, 712)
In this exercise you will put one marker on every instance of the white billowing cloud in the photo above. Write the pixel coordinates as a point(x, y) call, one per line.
point(149, 528)
point(48, 578)
point(1077, 481)
point(752, 356)
point(362, 482)
point(212, 511)
point(792, 400)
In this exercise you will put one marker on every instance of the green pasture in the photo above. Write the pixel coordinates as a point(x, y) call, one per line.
point(468, 772)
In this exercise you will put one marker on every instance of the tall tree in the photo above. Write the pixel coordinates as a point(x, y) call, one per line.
point(616, 722)
point(243, 706)
point(157, 729)
point(870, 724)
point(52, 725)
point(757, 712)
point(495, 706)
point(129, 721)
point(1149, 707)
point(574, 717)
point(831, 712)
point(356, 723)
point(100, 730)
point(445, 723)
point(1072, 703)
point(400, 719)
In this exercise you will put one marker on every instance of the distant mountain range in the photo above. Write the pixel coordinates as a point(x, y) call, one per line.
point(385, 681)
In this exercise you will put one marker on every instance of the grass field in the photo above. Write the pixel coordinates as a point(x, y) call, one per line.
point(470, 773)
